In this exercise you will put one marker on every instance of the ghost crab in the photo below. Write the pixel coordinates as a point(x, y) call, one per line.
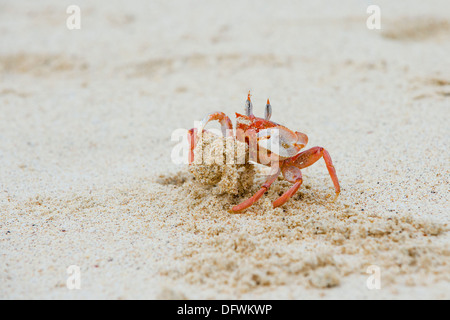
point(270, 144)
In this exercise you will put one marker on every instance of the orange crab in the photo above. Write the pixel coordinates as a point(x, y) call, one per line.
point(281, 146)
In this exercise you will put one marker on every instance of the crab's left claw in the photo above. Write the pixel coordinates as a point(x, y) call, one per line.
point(224, 120)
point(280, 142)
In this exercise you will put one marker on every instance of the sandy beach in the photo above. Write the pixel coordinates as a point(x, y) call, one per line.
point(87, 179)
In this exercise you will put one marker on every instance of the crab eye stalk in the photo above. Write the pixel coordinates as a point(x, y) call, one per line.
point(248, 106)
point(268, 112)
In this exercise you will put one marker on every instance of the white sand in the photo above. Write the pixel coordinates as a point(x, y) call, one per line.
point(85, 123)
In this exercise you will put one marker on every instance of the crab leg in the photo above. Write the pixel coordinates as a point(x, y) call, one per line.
point(309, 157)
point(292, 174)
point(285, 197)
point(226, 125)
point(247, 203)
point(192, 139)
point(225, 122)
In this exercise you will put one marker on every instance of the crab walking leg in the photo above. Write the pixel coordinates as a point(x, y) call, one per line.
point(192, 140)
point(247, 203)
point(291, 174)
point(309, 157)
point(225, 122)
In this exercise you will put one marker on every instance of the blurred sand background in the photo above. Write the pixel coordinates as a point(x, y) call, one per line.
point(86, 118)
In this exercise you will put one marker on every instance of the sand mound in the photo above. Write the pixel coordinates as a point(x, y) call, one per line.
point(222, 164)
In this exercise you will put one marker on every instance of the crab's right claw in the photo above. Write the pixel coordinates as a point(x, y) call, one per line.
point(302, 139)
point(281, 141)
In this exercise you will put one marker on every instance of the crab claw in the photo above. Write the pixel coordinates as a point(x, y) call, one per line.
point(302, 139)
point(280, 143)
point(225, 122)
